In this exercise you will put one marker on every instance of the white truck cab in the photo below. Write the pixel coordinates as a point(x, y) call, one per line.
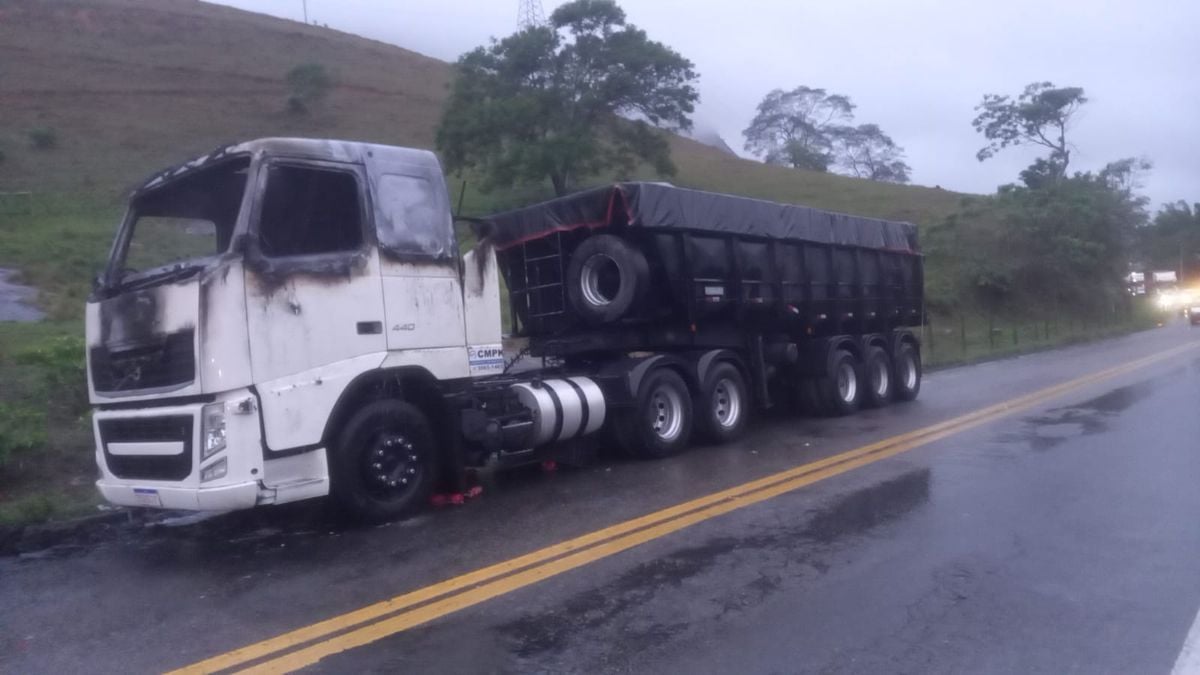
point(285, 269)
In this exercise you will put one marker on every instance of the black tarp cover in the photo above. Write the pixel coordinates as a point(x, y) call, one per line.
point(661, 205)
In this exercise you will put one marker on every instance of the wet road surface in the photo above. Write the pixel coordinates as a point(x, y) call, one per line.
point(1064, 538)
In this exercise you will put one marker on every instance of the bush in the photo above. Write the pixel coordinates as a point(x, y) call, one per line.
point(309, 84)
point(43, 138)
point(21, 429)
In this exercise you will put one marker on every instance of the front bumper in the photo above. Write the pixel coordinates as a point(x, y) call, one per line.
point(221, 498)
point(151, 456)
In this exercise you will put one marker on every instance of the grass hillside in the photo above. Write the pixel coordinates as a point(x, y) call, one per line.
point(128, 86)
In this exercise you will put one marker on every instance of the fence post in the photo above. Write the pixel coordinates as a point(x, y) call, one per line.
point(991, 331)
point(962, 332)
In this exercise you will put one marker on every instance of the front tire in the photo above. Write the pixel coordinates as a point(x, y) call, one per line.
point(383, 466)
point(723, 405)
point(660, 423)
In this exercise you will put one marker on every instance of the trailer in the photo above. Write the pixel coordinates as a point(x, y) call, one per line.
point(315, 332)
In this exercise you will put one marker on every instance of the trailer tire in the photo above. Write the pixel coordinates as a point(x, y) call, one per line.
point(660, 422)
point(384, 464)
point(606, 277)
point(877, 378)
point(840, 391)
point(906, 371)
point(722, 405)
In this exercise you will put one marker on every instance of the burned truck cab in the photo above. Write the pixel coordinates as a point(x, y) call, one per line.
point(245, 291)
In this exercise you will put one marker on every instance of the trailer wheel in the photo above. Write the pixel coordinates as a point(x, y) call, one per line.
point(722, 405)
point(605, 278)
point(906, 368)
point(384, 464)
point(660, 423)
point(877, 378)
point(840, 391)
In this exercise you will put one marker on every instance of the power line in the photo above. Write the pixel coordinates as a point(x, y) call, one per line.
point(530, 14)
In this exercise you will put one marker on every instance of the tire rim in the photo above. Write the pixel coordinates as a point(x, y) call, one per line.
point(882, 379)
point(392, 466)
point(727, 403)
point(910, 371)
point(666, 413)
point(597, 278)
point(847, 382)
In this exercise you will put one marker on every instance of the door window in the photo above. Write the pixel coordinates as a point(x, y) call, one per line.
point(308, 210)
point(413, 218)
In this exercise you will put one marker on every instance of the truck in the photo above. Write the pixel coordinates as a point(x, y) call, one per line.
point(285, 319)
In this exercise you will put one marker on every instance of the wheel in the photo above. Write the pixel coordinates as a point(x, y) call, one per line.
point(840, 390)
point(660, 423)
point(906, 371)
point(722, 405)
point(384, 464)
point(877, 378)
point(606, 278)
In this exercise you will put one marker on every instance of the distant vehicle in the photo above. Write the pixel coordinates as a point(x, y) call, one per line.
point(322, 335)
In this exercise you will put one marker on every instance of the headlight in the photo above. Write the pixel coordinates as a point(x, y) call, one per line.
point(213, 471)
point(212, 430)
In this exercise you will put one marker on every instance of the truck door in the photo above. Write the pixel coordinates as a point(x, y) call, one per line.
point(422, 286)
point(314, 304)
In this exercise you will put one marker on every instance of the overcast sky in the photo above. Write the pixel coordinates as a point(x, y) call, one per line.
point(915, 67)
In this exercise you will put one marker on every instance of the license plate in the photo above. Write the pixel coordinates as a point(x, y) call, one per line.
point(147, 497)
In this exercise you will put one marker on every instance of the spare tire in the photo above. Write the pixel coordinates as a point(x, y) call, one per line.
point(606, 278)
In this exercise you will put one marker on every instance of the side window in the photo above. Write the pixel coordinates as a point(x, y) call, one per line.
point(308, 210)
point(414, 220)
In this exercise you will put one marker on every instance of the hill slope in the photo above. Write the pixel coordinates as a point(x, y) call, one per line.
point(129, 86)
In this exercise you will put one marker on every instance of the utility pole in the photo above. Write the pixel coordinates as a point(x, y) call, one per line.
point(530, 14)
point(305, 4)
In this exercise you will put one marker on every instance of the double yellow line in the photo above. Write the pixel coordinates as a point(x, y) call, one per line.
point(305, 646)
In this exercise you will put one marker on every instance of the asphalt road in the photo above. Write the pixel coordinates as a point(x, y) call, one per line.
point(1058, 537)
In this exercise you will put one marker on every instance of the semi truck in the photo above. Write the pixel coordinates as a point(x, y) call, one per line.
point(285, 319)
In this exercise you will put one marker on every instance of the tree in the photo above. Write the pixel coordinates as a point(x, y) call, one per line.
point(795, 128)
point(1041, 115)
point(1172, 240)
point(865, 151)
point(1044, 247)
point(584, 94)
point(309, 84)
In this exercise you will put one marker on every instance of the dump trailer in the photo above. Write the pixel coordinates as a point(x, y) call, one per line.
point(285, 319)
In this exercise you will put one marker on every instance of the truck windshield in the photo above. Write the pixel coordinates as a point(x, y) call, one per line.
point(185, 221)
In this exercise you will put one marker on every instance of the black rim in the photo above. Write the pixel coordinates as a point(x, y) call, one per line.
point(391, 466)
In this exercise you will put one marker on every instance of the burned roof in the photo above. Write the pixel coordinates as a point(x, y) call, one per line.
point(662, 205)
point(305, 148)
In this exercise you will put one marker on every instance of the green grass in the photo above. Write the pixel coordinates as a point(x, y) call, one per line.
point(41, 368)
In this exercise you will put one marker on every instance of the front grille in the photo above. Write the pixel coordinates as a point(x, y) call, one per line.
point(173, 428)
point(167, 361)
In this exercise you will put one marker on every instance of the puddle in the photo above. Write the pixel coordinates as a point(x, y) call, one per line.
point(16, 301)
point(1056, 425)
